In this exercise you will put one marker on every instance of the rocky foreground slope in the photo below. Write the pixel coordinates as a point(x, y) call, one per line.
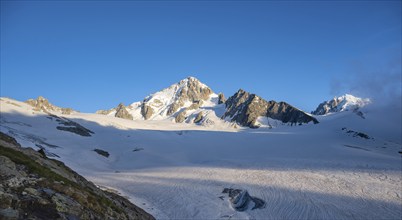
point(35, 187)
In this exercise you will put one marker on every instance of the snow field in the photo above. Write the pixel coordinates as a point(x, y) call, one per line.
point(178, 171)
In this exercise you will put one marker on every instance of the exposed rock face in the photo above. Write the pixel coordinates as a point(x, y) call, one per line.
point(104, 112)
point(221, 98)
point(146, 111)
point(35, 187)
point(66, 111)
point(181, 117)
point(339, 104)
point(240, 200)
point(195, 91)
point(42, 104)
point(245, 108)
point(102, 152)
point(66, 124)
point(191, 90)
point(199, 117)
point(121, 112)
point(356, 133)
point(174, 107)
point(195, 105)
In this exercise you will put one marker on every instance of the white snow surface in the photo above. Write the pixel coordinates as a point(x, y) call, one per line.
point(178, 171)
point(350, 102)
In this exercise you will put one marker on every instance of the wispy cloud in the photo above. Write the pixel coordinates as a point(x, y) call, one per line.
point(380, 82)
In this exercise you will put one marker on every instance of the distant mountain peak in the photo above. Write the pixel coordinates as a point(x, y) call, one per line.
point(342, 103)
point(246, 108)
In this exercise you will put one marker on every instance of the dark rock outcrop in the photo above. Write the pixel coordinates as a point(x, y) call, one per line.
point(199, 117)
point(356, 133)
point(102, 152)
point(240, 200)
point(146, 111)
point(181, 117)
point(35, 187)
point(244, 108)
point(121, 112)
point(70, 126)
point(221, 98)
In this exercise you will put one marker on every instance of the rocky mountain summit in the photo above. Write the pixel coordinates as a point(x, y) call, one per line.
point(178, 102)
point(190, 101)
point(42, 104)
point(342, 103)
point(35, 187)
point(189, 92)
point(245, 109)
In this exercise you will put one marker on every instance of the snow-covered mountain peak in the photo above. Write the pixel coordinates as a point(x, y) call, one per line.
point(188, 85)
point(187, 97)
point(342, 103)
point(187, 92)
point(191, 79)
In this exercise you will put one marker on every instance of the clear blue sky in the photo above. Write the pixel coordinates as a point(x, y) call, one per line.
point(91, 55)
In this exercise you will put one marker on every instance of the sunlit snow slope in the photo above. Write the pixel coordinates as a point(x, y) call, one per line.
point(344, 167)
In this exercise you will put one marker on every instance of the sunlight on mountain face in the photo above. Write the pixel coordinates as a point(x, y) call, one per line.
point(228, 109)
point(346, 165)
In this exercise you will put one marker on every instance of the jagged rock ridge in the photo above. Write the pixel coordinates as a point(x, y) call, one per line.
point(191, 101)
point(42, 104)
point(245, 108)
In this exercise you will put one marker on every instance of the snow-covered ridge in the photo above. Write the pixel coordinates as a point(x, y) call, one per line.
point(187, 101)
point(190, 101)
point(342, 103)
point(177, 96)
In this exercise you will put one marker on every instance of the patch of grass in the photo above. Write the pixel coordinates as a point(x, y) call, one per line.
point(82, 194)
point(34, 167)
point(96, 202)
